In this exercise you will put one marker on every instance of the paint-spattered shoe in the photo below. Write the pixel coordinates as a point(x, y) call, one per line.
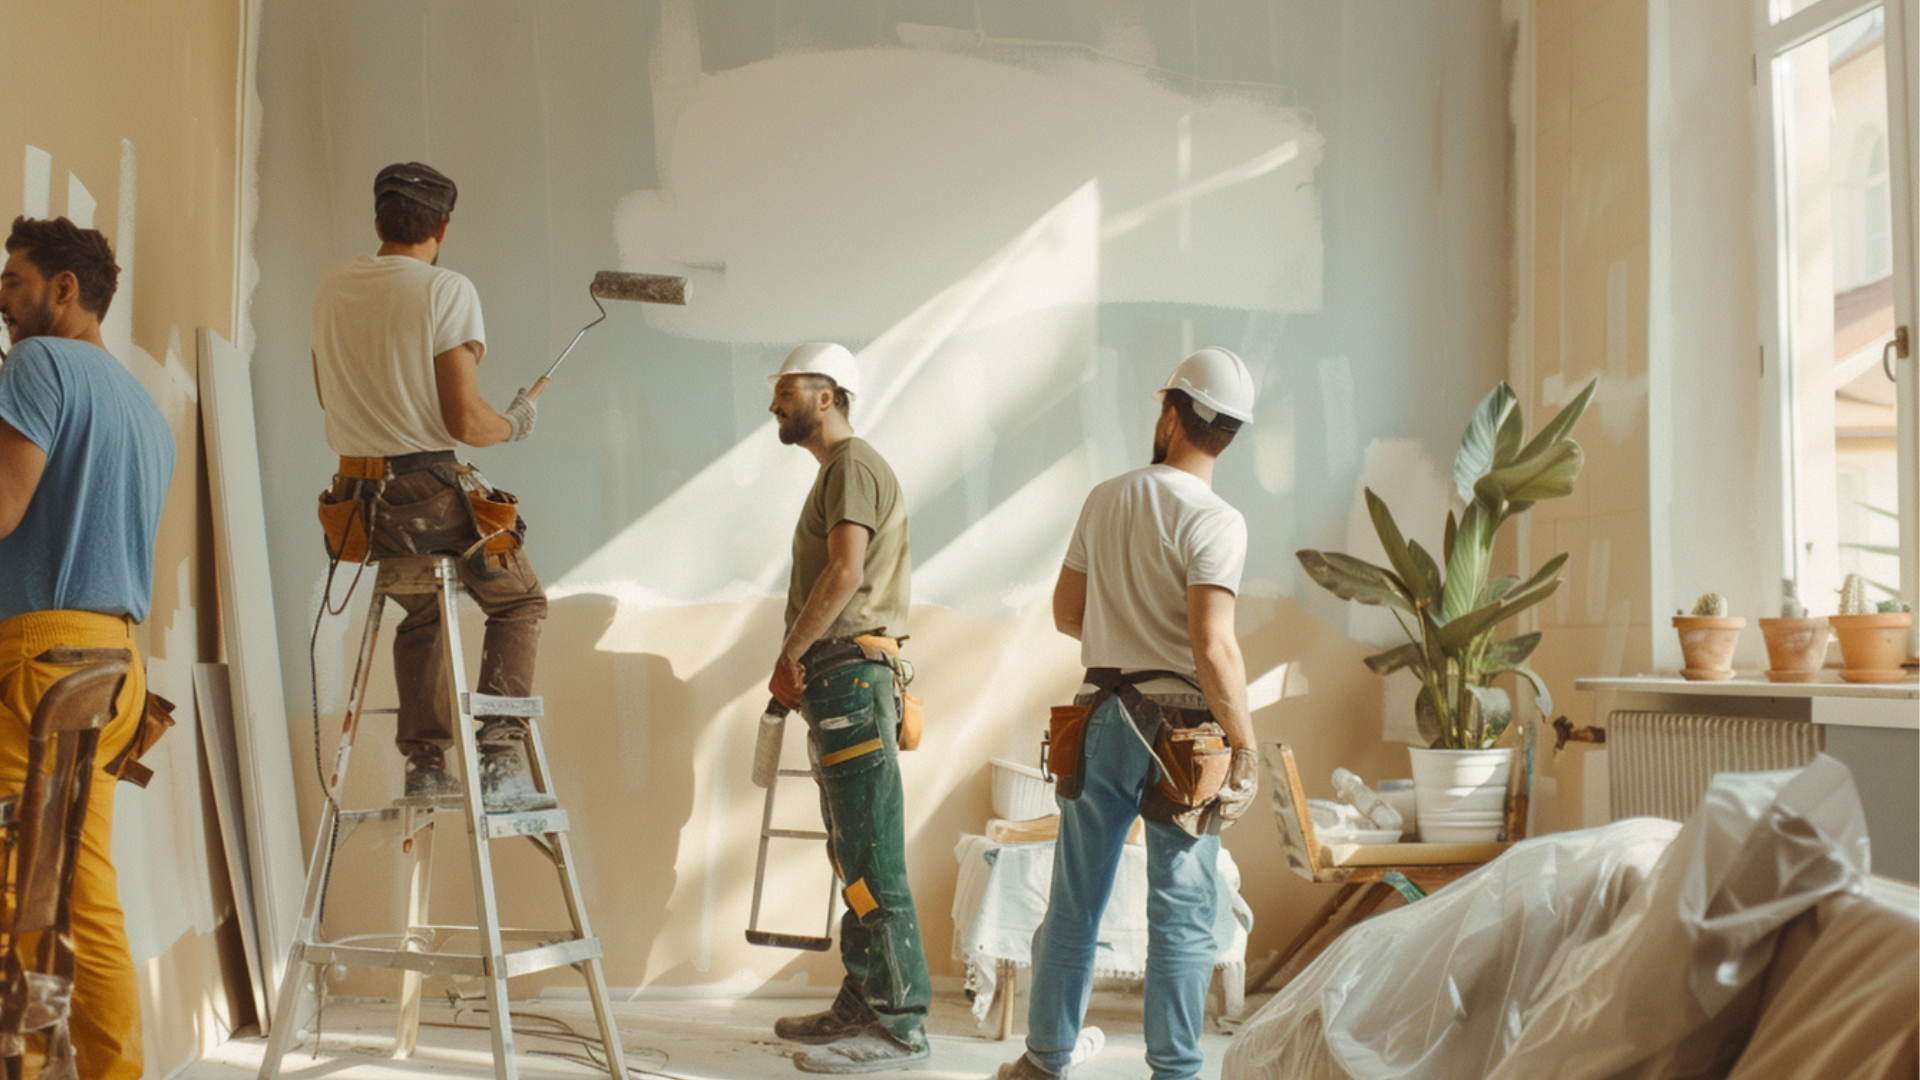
point(1025, 1068)
point(871, 1049)
point(816, 1029)
point(506, 782)
point(428, 779)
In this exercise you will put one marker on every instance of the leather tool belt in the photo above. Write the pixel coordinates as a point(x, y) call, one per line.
point(348, 521)
point(1189, 744)
point(832, 654)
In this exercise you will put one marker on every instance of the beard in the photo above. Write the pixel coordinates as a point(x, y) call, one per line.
point(798, 428)
point(32, 322)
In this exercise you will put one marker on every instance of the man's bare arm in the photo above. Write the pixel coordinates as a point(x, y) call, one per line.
point(1216, 652)
point(21, 465)
point(468, 417)
point(1070, 602)
point(846, 569)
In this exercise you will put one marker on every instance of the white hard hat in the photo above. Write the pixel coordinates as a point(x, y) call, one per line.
point(1218, 383)
point(822, 358)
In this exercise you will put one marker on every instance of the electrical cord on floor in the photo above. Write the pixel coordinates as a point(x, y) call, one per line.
point(594, 1056)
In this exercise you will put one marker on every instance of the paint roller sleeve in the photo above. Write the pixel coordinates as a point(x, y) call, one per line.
point(643, 288)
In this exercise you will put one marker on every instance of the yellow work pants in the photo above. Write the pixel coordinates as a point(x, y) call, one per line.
point(105, 1025)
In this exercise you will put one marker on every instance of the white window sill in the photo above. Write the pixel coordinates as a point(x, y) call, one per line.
point(1881, 705)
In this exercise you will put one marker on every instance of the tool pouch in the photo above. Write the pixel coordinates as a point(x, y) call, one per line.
point(1193, 763)
point(496, 514)
point(879, 649)
point(343, 521)
point(1066, 732)
point(156, 719)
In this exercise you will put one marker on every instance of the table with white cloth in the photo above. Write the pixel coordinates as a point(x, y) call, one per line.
point(1002, 896)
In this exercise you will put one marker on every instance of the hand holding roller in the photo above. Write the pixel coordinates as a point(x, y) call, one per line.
point(614, 285)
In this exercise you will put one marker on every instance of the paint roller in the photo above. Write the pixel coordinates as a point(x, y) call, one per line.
point(614, 285)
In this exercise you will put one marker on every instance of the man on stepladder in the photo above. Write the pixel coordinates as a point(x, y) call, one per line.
point(1148, 588)
point(846, 613)
point(397, 341)
point(85, 462)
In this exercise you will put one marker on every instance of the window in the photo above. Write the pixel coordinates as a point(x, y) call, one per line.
point(1843, 286)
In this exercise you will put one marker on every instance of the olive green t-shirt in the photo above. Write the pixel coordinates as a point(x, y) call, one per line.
point(855, 484)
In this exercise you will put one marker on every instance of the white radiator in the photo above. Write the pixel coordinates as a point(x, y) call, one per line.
point(1659, 764)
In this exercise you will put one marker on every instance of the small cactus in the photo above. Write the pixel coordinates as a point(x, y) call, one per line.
point(1790, 605)
point(1853, 596)
point(1711, 604)
point(1893, 607)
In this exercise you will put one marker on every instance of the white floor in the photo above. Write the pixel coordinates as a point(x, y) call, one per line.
point(696, 1040)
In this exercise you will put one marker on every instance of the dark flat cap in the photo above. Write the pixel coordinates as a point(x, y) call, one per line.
point(421, 183)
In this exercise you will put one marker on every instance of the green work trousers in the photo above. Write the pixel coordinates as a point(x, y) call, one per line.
point(852, 733)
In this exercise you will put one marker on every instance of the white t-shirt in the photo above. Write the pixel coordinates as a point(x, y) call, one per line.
point(378, 322)
point(1142, 540)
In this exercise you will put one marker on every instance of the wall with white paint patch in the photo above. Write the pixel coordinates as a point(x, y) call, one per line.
point(124, 120)
point(1019, 216)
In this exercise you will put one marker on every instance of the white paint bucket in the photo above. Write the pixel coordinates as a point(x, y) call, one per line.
point(1461, 794)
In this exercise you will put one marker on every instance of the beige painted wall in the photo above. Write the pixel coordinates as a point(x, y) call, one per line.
point(134, 101)
point(1589, 266)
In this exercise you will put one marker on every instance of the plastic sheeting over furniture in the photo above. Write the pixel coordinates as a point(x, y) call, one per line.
point(1628, 952)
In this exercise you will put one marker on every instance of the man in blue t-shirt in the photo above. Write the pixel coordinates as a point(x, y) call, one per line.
point(85, 461)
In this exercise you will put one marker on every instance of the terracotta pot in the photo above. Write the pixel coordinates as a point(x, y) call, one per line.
point(1707, 641)
point(1874, 645)
point(1796, 648)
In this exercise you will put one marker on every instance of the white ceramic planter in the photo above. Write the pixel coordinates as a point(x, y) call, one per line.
point(1462, 794)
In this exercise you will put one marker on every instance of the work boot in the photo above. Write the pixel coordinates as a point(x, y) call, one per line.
point(1025, 1068)
point(870, 1049)
point(428, 778)
point(506, 780)
point(816, 1028)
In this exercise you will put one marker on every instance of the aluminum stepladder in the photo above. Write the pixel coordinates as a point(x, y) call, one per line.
point(755, 935)
point(576, 947)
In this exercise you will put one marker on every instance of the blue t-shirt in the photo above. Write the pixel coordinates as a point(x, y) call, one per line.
point(86, 542)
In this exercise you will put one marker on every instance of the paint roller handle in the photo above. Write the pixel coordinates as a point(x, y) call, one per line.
point(539, 387)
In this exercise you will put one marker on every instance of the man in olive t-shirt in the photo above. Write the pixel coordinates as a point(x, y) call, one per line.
point(846, 612)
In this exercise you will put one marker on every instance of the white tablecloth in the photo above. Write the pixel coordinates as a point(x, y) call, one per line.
point(1002, 896)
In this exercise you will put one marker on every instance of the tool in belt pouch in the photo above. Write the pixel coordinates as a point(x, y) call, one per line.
point(346, 521)
point(156, 719)
point(830, 656)
point(1191, 748)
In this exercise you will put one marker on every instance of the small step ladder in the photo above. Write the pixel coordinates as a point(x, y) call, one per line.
point(575, 947)
point(768, 834)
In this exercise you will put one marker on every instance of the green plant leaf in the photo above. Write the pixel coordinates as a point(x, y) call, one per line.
point(1457, 633)
point(1542, 697)
point(1424, 588)
point(1427, 571)
point(1479, 446)
point(1547, 475)
point(1355, 579)
point(1446, 542)
point(1556, 429)
point(1467, 563)
point(1498, 588)
point(1508, 655)
point(1393, 660)
point(1426, 716)
point(1493, 713)
point(1513, 432)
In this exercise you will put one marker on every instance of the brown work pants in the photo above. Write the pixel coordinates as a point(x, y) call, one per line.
point(425, 512)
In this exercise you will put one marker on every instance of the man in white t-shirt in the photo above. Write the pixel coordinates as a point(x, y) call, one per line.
point(1148, 587)
point(397, 341)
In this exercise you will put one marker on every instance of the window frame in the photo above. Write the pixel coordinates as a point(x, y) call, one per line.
point(1772, 40)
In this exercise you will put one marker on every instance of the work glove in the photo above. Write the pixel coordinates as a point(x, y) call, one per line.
point(520, 416)
point(1243, 783)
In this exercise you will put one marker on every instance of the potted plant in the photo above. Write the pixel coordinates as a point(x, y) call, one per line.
point(1796, 643)
point(1707, 638)
point(1873, 638)
point(1450, 606)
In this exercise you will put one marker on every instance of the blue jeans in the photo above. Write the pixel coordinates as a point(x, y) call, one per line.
point(1182, 899)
